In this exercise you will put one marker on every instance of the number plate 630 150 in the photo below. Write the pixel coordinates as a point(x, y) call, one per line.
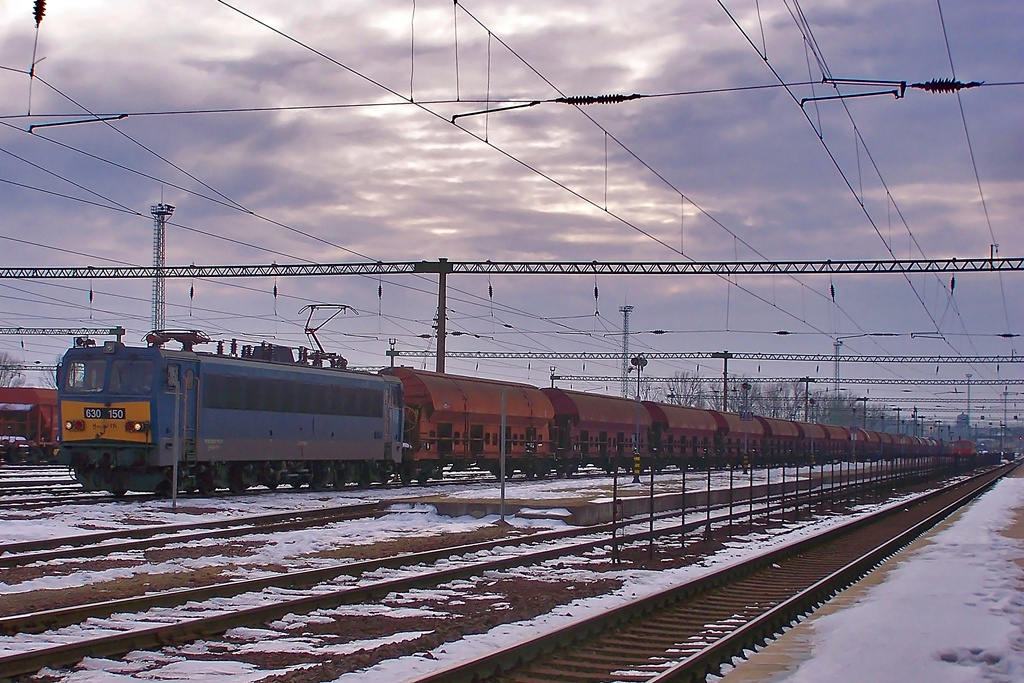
point(104, 413)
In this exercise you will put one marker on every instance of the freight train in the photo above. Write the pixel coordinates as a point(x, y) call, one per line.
point(133, 416)
point(28, 425)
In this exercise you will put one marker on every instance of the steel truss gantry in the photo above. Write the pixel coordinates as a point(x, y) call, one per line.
point(698, 355)
point(828, 266)
point(62, 331)
point(784, 380)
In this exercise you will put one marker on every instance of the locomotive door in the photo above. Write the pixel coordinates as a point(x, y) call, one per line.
point(189, 408)
point(393, 421)
point(183, 386)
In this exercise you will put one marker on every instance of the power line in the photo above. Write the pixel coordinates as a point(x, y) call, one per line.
point(510, 156)
point(804, 27)
point(660, 176)
point(974, 161)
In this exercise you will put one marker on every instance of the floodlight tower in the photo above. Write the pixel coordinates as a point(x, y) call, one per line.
point(625, 310)
point(160, 212)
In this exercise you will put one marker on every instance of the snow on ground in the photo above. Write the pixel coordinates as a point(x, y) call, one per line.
point(75, 519)
point(292, 549)
point(416, 519)
point(953, 611)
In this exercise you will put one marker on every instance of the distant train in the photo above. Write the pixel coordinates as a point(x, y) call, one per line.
point(131, 416)
point(28, 425)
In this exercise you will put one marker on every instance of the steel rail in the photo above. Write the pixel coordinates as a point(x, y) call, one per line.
point(946, 265)
point(64, 616)
point(507, 659)
point(73, 497)
point(43, 620)
point(116, 644)
point(770, 624)
point(92, 545)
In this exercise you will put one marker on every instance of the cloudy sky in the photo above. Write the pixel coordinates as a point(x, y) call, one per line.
point(721, 162)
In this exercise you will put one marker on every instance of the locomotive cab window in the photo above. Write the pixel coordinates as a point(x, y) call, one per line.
point(85, 376)
point(131, 376)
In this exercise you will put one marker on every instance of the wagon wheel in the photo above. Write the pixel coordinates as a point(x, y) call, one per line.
point(424, 473)
point(405, 473)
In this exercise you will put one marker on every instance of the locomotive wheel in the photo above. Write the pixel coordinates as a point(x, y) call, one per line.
point(236, 479)
point(118, 483)
point(269, 476)
point(204, 482)
point(321, 476)
point(364, 476)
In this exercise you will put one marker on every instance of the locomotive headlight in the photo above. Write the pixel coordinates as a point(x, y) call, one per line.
point(69, 425)
point(136, 427)
point(74, 426)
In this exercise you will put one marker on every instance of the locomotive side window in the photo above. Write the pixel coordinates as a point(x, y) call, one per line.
point(131, 376)
point(269, 395)
point(85, 376)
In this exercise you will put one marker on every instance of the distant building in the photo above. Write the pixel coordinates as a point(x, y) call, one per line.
point(962, 430)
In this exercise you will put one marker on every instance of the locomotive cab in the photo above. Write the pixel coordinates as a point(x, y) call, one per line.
point(106, 408)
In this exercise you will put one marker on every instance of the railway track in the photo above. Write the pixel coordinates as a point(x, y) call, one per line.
point(51, 485)
point(145, 538)
point(318, 593)
point(689, 631)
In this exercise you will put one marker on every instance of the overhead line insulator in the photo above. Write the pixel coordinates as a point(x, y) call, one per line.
point(945, 85)
point(597, 99)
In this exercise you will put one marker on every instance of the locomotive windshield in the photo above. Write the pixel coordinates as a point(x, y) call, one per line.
point(85, 376)
point(131, 376)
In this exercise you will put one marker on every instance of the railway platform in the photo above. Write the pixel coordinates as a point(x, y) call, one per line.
point(780, 660)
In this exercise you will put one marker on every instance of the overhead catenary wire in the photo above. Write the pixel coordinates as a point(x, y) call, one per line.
point(804, 27)
point(485, 140)
point(236, 206)
point(646, 165)
point(954, 85)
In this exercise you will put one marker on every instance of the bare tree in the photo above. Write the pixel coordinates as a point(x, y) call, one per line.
point(49, 379)
point(10, 371)
point(684, 389)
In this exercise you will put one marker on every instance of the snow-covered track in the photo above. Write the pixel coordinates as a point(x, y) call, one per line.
point(125, 540)
point(689, 631)
point(158, 618)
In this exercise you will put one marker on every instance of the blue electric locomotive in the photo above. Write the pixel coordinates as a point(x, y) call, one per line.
point(129, 413)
